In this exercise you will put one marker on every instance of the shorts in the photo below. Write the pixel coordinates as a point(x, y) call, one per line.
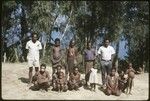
point(33, 63)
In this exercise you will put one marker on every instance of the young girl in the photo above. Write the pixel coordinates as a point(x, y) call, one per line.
point(93, 78)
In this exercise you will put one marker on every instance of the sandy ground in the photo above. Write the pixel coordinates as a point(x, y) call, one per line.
point(14, 86)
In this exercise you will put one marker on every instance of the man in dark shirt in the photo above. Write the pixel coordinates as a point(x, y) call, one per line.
point(89, 58)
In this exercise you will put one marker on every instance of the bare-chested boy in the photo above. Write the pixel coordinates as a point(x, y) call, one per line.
point(71, 56)
point(74, 80)
point(122, 81)
point(89, 58)
point(112, 84)
point(131, 74)
point(42, 78)
point(56, 55)
point(59, 82)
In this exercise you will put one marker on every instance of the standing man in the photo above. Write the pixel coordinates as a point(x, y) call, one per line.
point(89, 58)
point(33, 46)
point(106, 55)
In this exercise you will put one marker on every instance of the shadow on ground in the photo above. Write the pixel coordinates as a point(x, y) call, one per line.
point(24, 80)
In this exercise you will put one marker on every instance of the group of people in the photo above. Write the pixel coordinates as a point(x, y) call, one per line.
point(67, 76)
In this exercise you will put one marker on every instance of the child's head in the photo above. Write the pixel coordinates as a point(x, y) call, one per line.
point(121, 73)
point(129, 65)
point(76, 70)
point(59, 68)
point(72, 43)
point(60, 75)
point(57, 42)
point(42, 67)
point(113, 71)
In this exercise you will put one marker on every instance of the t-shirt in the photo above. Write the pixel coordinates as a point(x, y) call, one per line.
point(33, 50)
point(89, 54)
point(106, 52)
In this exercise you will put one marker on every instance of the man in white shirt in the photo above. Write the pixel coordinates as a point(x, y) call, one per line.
point(33, 46)
point(106, 55)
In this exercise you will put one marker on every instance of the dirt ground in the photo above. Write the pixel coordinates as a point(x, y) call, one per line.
point(14, 86)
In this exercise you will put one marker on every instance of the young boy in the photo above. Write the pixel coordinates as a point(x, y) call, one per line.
point(71, 56)
point(59, 81)
point(57, 56)
point(112, 84)
point(131, 74)
point(42, 78)
point(122, 81)
point(74, 80)
point(89, 58)
point(33, 47)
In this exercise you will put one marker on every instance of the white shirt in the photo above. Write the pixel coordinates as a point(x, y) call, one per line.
point(106, 52)
point(33, 49)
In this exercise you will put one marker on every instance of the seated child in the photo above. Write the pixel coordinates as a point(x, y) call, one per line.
point(122, 81)
point(74, 80)
point(59, 80)
point(112, 84)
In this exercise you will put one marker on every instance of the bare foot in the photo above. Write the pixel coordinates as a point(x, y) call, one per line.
point(130, 93)
point(29, 85)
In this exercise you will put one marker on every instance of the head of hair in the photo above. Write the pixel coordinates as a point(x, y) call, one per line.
point(71, 41)
point(58, 66)
point(89, 42)
point(113, 69)
point(106, 39)
point(33, 33)
point(43, 65)
point(57, 39)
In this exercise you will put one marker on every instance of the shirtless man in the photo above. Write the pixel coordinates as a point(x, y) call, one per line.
point(42, 78)
point(112, 84)
point(57, 56)
point(71, 56)
point(131, 74)
point(74, 80)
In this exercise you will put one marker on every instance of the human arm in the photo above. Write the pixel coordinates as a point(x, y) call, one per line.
point(107, 83)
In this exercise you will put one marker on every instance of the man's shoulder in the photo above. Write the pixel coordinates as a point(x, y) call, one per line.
point(29, 41)
point(38, 41)
point(110, 47)
point(101, 47)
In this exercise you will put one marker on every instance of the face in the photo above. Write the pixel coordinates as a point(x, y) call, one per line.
point(130, 65)
point(59, 69)
point(61, 75)
point(106, 43)
point(72, 43)
point(76, 70)
point(122, 73)
point(89, 45)
point(113, 72)
point(34, 38)
point(42, 69)
point(57, 43)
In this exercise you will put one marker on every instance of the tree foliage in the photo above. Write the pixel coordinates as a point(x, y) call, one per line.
point(91, 20)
